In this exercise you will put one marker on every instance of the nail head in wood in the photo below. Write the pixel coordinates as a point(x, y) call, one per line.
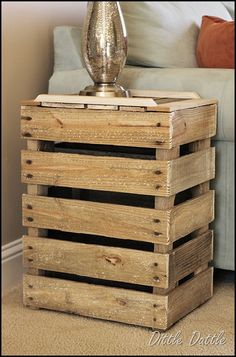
point(157, 279)
point(30, 219)
point(29, 207)
point(27, 135)
point(26, 118)
point(29, 176)
point(157, 220)
point(28, 162)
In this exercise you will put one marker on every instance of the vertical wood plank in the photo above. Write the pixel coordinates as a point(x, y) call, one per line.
point(37, 190)
point(205, 186)
point(165, 203)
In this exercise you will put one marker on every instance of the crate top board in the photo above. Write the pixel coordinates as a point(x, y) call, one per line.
point(151, 119)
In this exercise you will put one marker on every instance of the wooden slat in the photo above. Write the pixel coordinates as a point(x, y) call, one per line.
point(205, 186)
point(132, 307)
point(148, 177)
point(191, 170)
point(30, 103)
point(118, 264)
point(103, 219)
point(63, 105)
point(193, 124)
point(189, 296)
point(102, 107)
point(37, 190)
point(92, 126)
point(118, 221)
point(180, 105)
point(191, 215)
point(163, 94)
point(165, 203)
point(192, 255)
point(149, 103)
point(95, 172)
point(153, 130)
point(79, 99)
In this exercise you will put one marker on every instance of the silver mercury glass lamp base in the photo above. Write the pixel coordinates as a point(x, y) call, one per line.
point(104, 48)
point(105, 90)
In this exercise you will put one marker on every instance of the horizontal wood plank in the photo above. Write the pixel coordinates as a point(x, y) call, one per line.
point(191, 215)
point(123, 128)
point(79, 99)
point(122, 305)
point(191, 170)
point(193, 124)
point(192, 255)
point(132, 307)
point(115, 221)
point(184, 104)
point(118, 221)
point(163, 94)
point(111, 263)
point(148, 177)
point(190, 295)
point(95, 172)
point(93, 127)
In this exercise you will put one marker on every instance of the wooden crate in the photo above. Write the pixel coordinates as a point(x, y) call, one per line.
point(119, 205)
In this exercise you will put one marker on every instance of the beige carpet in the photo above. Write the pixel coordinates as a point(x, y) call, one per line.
point(27, 332)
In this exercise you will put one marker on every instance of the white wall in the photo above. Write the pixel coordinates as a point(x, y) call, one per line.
point(27, 43)
point(27, 66)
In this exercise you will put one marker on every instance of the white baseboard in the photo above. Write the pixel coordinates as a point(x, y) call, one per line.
point(12, 267)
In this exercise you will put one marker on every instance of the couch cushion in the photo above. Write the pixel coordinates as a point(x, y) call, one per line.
point(67, 48)
point(164, 34)
point(208, 83)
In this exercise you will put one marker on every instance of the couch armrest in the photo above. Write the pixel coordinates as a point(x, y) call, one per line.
point(67, 48)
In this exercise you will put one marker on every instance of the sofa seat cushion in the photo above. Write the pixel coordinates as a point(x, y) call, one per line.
point(208, 83)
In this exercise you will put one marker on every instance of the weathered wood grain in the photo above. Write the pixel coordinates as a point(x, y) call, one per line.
point(189, 125)
point(115, 221)
point(153, 130)
point(191, 215)
point(95, 172)
point(92, 126)
point(205, 186)
point(163, 94)
point(148, 177)
point(111, 263)
point(192, 255)
point(189, 296)
point(191, 170)
point(132, 307)
point(37, 190)
point(118, 221)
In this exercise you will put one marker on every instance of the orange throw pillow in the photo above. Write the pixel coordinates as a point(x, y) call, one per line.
point(215, 47)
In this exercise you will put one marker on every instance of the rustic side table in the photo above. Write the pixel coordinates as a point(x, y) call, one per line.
point(118, 205)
